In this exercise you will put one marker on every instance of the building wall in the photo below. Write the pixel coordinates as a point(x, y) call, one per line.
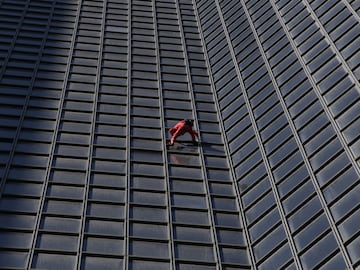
point(89, 89)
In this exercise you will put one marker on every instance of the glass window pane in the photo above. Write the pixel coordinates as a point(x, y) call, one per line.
point(13, 259)
point(260, 207)
point(335, 262)
point(103, 210)
point(60, 224)
point(319, 251)
point(298, 196)
point(145, 265)
point(266, 245)
point(189, 201)
point(187, 186)
point(148, 197)
point(104, 245)
point(346, 204)
point(15, 240)
point(155, 231)
point(311, 232)
point(148, 213)
point(265, 224)
point(151, 183)
point(234, 255)
point(149, 249)
point(95, 263)
point(193, 266)
point(232, 237)
point(104, 227)
point(304, 214)
point(192, 252)
point(54, 261)
point(282, 256)
point(190, 217)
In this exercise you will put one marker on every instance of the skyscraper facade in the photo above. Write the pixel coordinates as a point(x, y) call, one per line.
point(89, 90)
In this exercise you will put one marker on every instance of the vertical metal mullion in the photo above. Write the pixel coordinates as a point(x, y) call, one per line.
point(128, 145)
point(164, 152)
point(227, 150)
point(217, 253)
point(91, 143)
point(303, 152)
point(258, 137)
point(54, 139)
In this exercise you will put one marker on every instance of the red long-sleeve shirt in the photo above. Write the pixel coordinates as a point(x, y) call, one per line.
point(180, 129)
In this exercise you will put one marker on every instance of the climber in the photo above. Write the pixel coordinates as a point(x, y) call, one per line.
point(181, 128)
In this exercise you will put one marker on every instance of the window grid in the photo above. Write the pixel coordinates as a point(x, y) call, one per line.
point(250, 80)
point(111, 77)
point(339, 75)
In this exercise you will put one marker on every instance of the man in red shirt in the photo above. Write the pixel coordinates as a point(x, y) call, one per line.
point(182, 127)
